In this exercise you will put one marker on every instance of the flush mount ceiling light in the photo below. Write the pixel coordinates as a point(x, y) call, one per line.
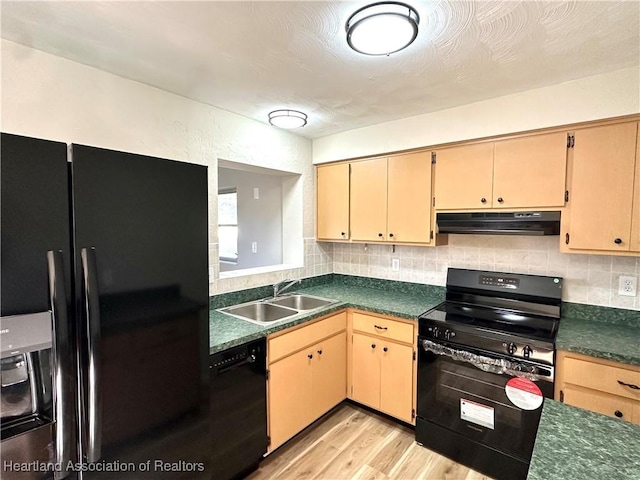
point(382, 28)
point(287, 119)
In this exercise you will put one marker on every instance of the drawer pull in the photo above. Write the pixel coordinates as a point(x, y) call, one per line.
point(618, 414)
point(381, 328)
point(630, 385)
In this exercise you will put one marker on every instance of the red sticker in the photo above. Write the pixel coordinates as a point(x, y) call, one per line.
point(523, 393)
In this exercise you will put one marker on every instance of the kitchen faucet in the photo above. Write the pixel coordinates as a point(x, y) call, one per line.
point(278, 288)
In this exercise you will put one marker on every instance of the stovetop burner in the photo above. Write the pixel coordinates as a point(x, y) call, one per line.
point(513, 315)
point(506, 321)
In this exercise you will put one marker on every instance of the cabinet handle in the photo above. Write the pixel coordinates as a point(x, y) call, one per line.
point(630, 385)
point(380, 235)
point(391, 235)
point(483, 200)
point(373, 345)
point(381, 328)
point(500, 200)
point(618, 414)
point(342, 233)
point(310, 356)
point(617, 241)
point(319, 352)
point(385, 349)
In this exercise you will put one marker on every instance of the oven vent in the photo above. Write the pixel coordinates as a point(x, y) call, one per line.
point(500, 223)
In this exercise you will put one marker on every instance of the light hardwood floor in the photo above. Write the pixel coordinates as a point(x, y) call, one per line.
point(353, 443)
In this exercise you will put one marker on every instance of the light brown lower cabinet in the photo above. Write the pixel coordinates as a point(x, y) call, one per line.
point(382, 370)
point(306, 383)
point(599, 385)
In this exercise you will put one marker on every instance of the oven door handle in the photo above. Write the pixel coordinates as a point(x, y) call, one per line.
point(498, 366)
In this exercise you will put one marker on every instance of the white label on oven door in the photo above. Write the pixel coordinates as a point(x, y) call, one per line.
point(477, 413)
point(523, 393)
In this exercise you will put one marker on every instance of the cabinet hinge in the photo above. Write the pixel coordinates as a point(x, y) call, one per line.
point(431, 235)
point(566, 195)
point(352, 390)
point(433, 158)
point(267, 374)
point(566, 239)
point(571, 141)
point(413, 413)
point(349, 169)
point(561, 396)
point(414, 354)
point(268, 441)
point(434, 201)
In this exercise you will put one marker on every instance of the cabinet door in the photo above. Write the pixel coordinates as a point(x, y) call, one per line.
point(530, 172)
point(602, 187)
point(409, 198)
point(635, 208)
point(290, 396)
point(365, 370)
point(396, 384)
point(369, 200)
point(464, 177)
point(333, 202)
point(329, 373)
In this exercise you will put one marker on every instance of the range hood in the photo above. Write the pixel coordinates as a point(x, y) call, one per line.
point(500, 223)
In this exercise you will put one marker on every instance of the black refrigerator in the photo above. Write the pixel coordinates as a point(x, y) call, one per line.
point(104, 306)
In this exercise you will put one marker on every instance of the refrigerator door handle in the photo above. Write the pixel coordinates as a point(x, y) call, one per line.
point(61, 353)
point(92, 312)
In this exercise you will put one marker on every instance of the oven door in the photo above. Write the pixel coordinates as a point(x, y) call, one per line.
point(465, 391)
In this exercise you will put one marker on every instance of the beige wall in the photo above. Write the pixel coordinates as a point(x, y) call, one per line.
point(601, 96)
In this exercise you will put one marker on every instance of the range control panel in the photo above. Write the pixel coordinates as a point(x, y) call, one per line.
point(499, 281)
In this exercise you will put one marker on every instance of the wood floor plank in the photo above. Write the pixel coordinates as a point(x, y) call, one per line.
point(365, 472)
point(354, 454)
point(311, 463)
point(354, 443)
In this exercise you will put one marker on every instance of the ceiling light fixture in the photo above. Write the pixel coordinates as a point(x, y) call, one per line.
point(287, 119)
point(382, 28)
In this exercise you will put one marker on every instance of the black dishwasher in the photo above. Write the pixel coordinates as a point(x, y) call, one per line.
point(238, 409)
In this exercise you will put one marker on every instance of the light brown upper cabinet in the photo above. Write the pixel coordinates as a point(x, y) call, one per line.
point(525, 172)
point(603, 209)
point(332, 202)
point(464, 177)
point(391, 199)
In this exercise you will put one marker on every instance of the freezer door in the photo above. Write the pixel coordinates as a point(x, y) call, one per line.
point(34, 212)
point(142, 267)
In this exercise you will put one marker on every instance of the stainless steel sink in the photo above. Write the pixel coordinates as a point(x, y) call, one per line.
point(301, 302)
point(259, 312)
point(270, 310)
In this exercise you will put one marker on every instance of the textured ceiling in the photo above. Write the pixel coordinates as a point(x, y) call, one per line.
point(253, 57)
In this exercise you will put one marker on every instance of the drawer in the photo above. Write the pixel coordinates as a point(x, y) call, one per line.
point(605, 378)
point(382, 327)
point(601, 403)
point(291, 342)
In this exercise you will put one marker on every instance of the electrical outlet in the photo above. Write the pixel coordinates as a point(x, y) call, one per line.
point(628, 286)
point(256, 193)
point(395, 264)
point(254, 247)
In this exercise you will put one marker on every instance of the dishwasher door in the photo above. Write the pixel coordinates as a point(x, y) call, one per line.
point(238, 409)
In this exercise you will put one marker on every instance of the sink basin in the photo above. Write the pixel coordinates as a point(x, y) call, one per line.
point(259, 312)
point(301, 302)
point(270, 310)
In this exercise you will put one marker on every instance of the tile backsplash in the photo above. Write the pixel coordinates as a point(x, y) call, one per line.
point(591, 279)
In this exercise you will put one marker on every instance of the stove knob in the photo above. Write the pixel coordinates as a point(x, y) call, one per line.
point(435, 332)
point(448, 334)
point(511, 348)
point(527, 351)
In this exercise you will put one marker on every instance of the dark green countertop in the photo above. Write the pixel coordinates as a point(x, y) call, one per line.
point(226, 331)
point(608, 333)
point(576, 444)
